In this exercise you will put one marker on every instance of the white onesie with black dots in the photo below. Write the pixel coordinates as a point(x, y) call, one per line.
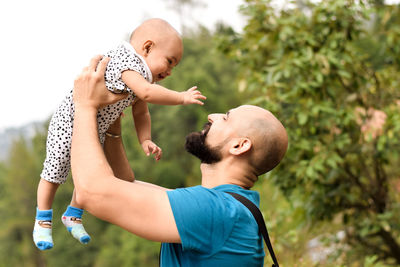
point(58, 147)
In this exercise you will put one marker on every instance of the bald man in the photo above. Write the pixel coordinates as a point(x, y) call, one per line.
point(200, 225)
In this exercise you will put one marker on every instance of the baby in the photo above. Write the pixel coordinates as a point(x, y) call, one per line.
point(155, 48)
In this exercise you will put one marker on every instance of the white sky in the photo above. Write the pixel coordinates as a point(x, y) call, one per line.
point(45, 43)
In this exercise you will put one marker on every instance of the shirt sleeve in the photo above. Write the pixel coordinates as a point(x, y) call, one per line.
point(121, 59)
point(204, 217)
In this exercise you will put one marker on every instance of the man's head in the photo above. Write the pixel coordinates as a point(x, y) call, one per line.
point(160, 45)
point(248, 135)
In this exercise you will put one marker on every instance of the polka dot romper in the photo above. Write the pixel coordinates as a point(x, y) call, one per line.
point(58, 147)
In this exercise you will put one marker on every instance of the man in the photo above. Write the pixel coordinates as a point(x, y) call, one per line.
point(199, 226)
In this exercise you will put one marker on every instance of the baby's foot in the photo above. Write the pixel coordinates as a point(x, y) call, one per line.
point(72, 219)
point(42, 230)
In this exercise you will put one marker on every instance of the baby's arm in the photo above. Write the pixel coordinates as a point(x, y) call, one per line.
point(141, 117)
point(157, 94)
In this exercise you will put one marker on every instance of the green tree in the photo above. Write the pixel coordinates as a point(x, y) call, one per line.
point(18, 181)
point(330, 73)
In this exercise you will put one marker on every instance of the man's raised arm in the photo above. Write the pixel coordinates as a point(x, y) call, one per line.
point(142, 210)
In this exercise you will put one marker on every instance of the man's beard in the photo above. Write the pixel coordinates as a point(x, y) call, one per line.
point(196, 145)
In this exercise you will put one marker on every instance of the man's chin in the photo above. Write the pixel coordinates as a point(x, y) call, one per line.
point(195, 145)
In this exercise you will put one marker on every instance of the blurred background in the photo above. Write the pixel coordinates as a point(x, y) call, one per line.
point(329, 70)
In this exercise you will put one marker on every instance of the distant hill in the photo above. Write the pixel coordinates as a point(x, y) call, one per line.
point(7, 136)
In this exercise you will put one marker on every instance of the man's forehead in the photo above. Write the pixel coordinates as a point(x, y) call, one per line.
point(247, 110)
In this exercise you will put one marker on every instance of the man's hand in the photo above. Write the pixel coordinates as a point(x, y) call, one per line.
point(149, 147)
point(192, 96)
point(89, 87)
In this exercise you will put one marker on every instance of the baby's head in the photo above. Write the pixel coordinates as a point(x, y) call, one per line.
point(160, 45)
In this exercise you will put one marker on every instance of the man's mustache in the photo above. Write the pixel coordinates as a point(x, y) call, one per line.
point(206, 128)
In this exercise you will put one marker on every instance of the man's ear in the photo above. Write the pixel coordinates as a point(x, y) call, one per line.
point(147, 46)
point(240, 146)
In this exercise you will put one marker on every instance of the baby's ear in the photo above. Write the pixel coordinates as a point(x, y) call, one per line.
point(240, 146)
point(147, 46)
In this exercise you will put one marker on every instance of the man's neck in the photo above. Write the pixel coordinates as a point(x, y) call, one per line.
point(225, 172)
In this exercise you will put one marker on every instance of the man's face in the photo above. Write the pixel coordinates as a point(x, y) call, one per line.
point(208, 144)
point(196, 145)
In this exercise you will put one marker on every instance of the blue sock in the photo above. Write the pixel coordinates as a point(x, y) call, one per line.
point(72, 211)
point(42, 229)
point(72, 219)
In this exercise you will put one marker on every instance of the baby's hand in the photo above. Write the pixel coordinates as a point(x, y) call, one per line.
point(149, 147)
point(192, 96)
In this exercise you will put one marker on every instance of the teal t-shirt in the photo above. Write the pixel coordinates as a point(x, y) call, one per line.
point(215, 229)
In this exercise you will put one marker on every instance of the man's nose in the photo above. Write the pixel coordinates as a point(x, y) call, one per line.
point(214, 116)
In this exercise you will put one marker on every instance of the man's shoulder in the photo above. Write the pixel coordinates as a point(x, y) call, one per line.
point(191, 191)
point(220, 190)
point(252, 195)
point(210, 200)
point(196, 195)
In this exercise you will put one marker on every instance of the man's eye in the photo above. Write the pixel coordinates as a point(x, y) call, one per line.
point(169, 61)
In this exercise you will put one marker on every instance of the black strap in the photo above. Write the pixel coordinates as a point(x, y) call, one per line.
point(260, 221)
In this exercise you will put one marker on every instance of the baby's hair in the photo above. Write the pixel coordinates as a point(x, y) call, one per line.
point(161, 26)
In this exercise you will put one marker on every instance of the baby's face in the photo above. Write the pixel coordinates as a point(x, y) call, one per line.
point(163, 57)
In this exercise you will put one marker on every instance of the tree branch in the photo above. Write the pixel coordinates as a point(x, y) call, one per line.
point(380, 189)
point(391, 243)
point(374, 248)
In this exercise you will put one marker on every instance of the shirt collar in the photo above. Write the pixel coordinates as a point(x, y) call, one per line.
point(147, 69)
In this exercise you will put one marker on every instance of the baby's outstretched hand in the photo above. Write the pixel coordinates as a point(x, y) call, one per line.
point(193, 96)
point(150, 148)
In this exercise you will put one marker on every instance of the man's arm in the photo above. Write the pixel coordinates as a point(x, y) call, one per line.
point(141, 209)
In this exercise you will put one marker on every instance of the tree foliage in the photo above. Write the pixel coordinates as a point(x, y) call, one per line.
point(330, 72)
point(18, 182)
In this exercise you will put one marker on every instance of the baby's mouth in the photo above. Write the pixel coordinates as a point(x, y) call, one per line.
point(160, 77)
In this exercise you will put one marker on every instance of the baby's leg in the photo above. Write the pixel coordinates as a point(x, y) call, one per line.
point(45, 194)
point(55, 170)
point(72, 219)
point(44, 215)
